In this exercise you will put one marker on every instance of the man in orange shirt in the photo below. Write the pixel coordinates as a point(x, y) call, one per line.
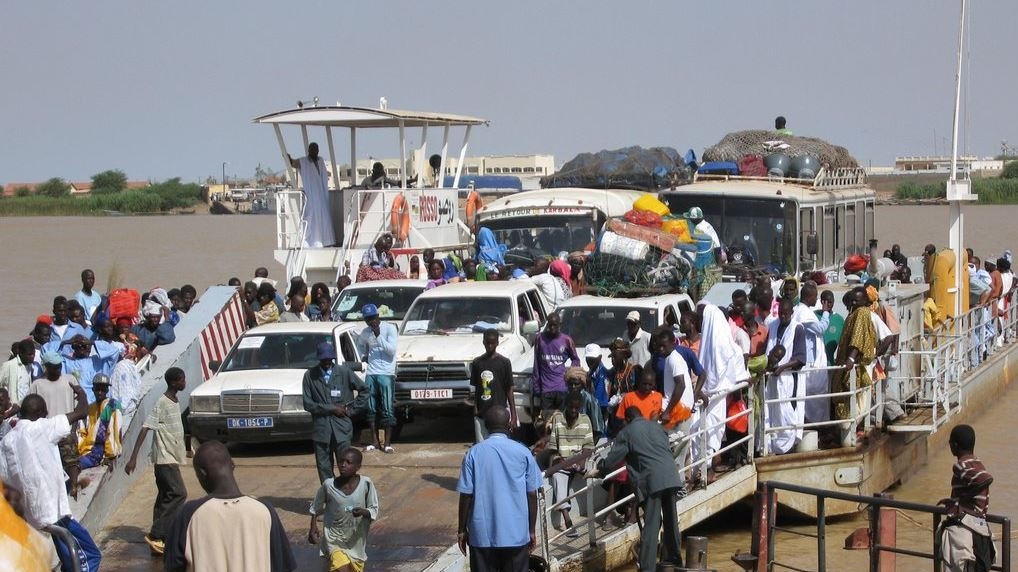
point(645, 398)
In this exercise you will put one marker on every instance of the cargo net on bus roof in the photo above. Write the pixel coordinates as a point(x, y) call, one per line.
point(627, 168)
point(738, 144)
point(635, 261)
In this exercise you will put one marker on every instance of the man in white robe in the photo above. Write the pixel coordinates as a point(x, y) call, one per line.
point(317, 216)
point(782, 382)
point(817, 382)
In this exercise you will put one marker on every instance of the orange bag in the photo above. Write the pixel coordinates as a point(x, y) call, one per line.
point(737, 405)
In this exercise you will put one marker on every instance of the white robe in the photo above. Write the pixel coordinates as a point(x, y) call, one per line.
point(783, 387)
point(316, 214)
point(723, 367)
point(817, 382)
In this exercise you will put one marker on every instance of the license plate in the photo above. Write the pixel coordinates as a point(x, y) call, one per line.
point(248, 422)
point(430, 394)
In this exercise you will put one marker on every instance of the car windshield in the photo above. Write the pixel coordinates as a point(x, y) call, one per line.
point(392, 302)
point(297, 350)
point(601, 325)
point(458, 316)
point(546, 234)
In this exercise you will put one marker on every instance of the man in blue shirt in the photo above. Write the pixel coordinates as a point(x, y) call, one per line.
point(151, 332)
point(496, 476)
point(89, 299)
point(377, 344)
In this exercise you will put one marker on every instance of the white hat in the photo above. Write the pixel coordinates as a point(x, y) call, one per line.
point(633, 316)
point(591, 350)
point(695, 212)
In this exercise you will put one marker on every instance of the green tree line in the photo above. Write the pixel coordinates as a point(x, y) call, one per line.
point(998, 190)
point(109, 193)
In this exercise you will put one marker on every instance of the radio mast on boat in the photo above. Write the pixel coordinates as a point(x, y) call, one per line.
point(958, 190)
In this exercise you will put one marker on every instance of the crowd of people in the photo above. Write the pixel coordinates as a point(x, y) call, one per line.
point(68, 392)
point(72, 385)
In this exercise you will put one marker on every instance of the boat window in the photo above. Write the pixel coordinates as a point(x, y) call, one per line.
point(458, 316)
point(296, 350)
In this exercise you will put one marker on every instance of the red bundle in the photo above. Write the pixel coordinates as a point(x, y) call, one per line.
point(367, 273)
point(643, 218)
point(856, 263)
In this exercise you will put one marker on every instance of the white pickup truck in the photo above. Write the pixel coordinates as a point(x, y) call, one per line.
point(442, 333)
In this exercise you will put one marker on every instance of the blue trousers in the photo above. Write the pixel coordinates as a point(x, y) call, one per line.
point(380, 404)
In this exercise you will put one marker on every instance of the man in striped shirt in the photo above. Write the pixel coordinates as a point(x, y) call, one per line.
point(966, 544)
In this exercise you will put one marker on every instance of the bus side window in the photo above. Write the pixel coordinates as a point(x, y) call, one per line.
point(828, 235)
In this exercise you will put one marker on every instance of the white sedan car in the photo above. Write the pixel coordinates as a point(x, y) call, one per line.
point(256, 394)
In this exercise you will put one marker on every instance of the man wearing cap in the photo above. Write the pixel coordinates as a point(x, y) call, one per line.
point(16, 373)
point(699, 224)
point(377, 345)
point(597, 376)
point(151, 332)
point(328, 389)
point(638, 340)
point(57, 389)
point(99, 433)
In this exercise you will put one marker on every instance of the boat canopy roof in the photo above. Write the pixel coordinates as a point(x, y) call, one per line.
point(363, 117)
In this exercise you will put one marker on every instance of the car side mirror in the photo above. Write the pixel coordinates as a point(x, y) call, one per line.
point(214, 366)
point(530, 328)
point(354, 365)
point(812, 244)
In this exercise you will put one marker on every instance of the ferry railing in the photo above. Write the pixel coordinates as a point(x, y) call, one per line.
point(848, 426)
point(702, 457)
point(881, 536)
point(699, 463)
point(291, 229)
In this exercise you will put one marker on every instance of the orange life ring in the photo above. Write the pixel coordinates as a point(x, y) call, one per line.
point(399, 218)
point(474, 204)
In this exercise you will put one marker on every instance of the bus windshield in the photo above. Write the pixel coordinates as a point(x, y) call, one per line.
point(764, 229)
point(546, 234)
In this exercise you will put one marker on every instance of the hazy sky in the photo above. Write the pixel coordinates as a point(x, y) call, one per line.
point(169, 89)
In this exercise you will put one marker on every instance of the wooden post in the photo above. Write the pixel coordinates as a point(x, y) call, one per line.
point(760, 546)
point(887, 537)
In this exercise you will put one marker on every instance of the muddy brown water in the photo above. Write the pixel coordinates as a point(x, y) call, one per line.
point(42, 257)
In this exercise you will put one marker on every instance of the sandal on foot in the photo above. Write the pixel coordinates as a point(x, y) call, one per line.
point(369, 448)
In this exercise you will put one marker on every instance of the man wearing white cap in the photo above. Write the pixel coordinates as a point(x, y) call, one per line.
point(638, 340)
point(598, 376)
point(699, 224)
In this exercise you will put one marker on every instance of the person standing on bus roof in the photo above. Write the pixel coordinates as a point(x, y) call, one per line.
point(315, 180)
point(779, 126)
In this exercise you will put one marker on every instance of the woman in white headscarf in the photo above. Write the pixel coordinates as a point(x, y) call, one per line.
point(723, 368)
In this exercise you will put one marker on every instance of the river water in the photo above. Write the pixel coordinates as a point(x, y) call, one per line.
point(42, 257)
